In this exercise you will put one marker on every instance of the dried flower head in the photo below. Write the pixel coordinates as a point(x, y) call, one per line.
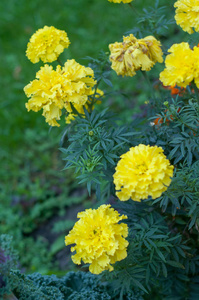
point(99, 239)
point(134, 54)
point(47, 44)
point(141, 172)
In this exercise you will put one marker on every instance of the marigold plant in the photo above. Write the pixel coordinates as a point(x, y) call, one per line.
point(150, 157)
point(47, 44)
point(99, 239)
point(141, 172)
point(135, 54)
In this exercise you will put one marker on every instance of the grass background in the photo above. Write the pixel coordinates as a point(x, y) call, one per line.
point(38, 201)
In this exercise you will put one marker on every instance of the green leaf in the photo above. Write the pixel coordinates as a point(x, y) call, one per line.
point(57, 245)
point(137, 283)
point(175, 264)
point(160, 255)
point(164, 270)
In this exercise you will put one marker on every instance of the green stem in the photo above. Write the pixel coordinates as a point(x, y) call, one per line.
point(181, 121)
point(93, 96)
point(144, 74)
point(185, 124)
point(134, 9)
point(60, 62)
point(196, 92)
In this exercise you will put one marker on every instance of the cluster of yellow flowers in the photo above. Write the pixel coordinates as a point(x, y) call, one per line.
point(187, 15)
point(141, 172)
point(47, 44)
point(134, 54)
point(99, 239)
point(182, 66)
point(54, 90)
point(119, 1)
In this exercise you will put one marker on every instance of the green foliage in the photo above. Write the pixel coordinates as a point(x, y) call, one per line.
point(153, 21)
point(34, 197)
point(74, 285)
point(159, 259)
point(183, 194)
point(94, 145)
point(8, 261)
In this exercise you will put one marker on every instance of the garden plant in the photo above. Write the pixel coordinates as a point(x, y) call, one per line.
point(136, 235)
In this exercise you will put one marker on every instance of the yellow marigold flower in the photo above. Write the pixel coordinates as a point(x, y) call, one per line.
point(54, 90)
point(119, 1)
point(134, 54)
point(141, 172)
point(187, 15)
point(47, 44)
point(99, 239)
point(179, 66)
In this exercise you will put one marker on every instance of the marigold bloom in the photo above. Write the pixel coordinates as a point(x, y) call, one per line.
point(187, 15)
point(119, 1)
point(47, 44)
point(179, 66)
point(135, 54)
point(99, 239)
point(141, 172)
point(54, 90)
